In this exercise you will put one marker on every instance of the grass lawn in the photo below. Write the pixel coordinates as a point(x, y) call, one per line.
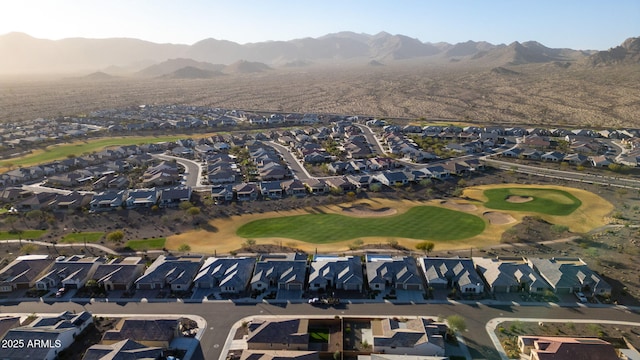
point(420, 222)
point(544, 201)
point(60, 152)
point(319, 335)
point(81, 237)
point(24, 234)
point(146, 244)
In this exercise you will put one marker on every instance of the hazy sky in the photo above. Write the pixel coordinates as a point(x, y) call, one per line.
point(577, 24)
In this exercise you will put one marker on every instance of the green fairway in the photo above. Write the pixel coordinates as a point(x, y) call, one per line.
point(81, 237)
point(544, 201)
point(24, 234)
point(421, 222)
point(60, 152)
point(146, 244)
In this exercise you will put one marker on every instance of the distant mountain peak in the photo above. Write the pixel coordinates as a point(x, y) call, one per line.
point(626, 53)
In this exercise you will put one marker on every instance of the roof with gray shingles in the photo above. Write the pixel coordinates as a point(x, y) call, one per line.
point(235, 272)
point(568, 273)
point(508, 273)
point(395, 270)
point(279, 331)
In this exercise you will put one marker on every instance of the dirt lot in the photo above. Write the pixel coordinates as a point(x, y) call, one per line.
point(509, 331)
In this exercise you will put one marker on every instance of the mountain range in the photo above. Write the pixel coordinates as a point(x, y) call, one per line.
point(23, 54)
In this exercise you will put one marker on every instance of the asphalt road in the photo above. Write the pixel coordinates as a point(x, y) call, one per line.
point(192, 169)
point(221, 316)
point(298, 170)
point(371, 138)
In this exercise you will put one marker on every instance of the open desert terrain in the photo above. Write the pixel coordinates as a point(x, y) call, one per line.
point(574, 96)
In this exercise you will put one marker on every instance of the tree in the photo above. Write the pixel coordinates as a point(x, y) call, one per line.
point(426, 246)
point(28, 249)
point(11, 221)
point(425, 182)
point(115, 236)
point(185, 205)
point(248, 243)
point(193, 211)
point(375, 187)
point(34, 215)
point(184, 247)
point(457, 323)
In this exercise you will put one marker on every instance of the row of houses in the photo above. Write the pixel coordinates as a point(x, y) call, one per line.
point(600, 161)
point(23, 200)
point(294, 272)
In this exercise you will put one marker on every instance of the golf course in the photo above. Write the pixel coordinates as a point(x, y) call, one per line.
point(478, 218)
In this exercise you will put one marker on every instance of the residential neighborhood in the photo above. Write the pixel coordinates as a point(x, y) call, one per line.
point(232, 158)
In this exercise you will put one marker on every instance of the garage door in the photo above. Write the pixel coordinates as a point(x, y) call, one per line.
point(413, 287)
point(294, 287)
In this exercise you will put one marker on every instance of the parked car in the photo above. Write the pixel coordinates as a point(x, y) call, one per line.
point(60, 292)
point(581, 297)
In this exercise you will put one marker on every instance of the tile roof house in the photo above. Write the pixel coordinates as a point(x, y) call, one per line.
point(245, 192)
point(565, 348)
point(23, 272)
point(399, 272)
point(392, 178)
point(411, 337)
point(230, 275)
point(294, 187)
point(71, 272)
point(566, 275)
point(119, 273)
point(142, 198)
point(125, 349)
point(285, 334)
point(283, 271)
point(447, 273)
point(59, 331)
point(172, 271)
point(148, 332)
point(316, 186)
point(174, 196)
point(343, 273)
point(271, 189)
point(222, 193)
point(74, 200)
point(505, 275)
point(106, 201)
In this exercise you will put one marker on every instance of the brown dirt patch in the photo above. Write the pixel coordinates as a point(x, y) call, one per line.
point(533, 229)
point(460, 207)
point(361, 210)
point(517, 199)
point(498, 218)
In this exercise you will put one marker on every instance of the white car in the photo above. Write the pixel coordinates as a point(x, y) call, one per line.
point(581, 297)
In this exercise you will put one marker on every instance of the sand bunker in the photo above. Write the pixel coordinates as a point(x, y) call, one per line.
point(517, 199)
point(365, 211)
point(461, 207)
point(498, 218)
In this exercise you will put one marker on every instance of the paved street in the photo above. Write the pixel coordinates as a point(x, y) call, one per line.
point(221, 316)
point(192, 169)
point(298, 170)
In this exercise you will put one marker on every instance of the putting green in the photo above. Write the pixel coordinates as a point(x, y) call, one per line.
point(420, 222)
point(543, 201)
